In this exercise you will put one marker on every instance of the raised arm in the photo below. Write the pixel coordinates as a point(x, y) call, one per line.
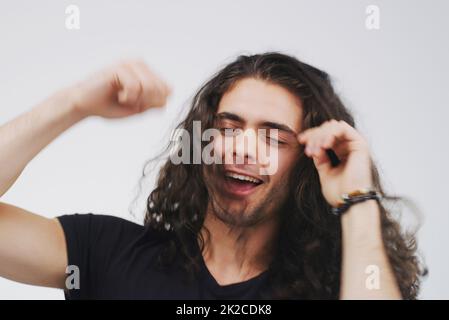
point(363, 250)
point(32, 247)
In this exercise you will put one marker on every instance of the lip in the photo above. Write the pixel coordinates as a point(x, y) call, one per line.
point(244, 173)
point(236, 189)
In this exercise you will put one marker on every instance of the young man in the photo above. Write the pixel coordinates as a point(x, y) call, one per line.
point(226, 230)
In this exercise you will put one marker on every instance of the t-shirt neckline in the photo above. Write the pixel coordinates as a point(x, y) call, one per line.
point(227, 289)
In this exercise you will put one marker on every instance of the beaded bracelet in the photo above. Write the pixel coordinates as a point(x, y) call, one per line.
point(348, 199)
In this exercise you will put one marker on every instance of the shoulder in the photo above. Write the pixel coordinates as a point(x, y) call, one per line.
point(97, 222)
point(102, 229)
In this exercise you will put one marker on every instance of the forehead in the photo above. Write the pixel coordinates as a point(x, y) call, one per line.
point(257, 101)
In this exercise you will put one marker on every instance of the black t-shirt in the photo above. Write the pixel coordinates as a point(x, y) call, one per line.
point(115, 259)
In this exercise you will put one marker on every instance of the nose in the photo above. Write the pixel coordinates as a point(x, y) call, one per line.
point(245, 147)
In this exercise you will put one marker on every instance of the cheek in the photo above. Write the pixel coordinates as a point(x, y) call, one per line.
point(223, 148)
point(269, 161)
point(217, 145)
point(280, 163)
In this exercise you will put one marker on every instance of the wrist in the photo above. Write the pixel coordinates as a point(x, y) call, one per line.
point(60, 109)
point(356, 196)
point(70, 100)
point(362, 223)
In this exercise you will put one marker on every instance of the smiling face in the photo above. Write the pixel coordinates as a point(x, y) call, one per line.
point(246, 193)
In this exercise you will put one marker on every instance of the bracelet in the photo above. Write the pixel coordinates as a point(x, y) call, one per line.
point(348, 199)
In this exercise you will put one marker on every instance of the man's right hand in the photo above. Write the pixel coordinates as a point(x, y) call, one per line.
point(119, 91)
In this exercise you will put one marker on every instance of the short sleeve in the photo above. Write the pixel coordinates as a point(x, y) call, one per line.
point(92, 241)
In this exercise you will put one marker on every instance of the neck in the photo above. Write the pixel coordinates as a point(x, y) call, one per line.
point(234, 254)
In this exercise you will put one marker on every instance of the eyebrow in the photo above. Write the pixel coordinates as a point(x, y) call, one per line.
point(269, 124)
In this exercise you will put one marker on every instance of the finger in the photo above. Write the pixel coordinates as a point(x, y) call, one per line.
point(315, 151)
point(129, 86)
point(162, 94)
point(329, 141)
point(346, 131)
point(318, 153)
point(329, 134)
point(316, 138)
point(148, 83)
point(144, 80)
point(325, 135)
point(309, 134)
point(155, 89)
point(321, 160)
point(346, 139)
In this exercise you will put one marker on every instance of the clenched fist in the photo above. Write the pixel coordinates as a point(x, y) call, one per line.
point(119, 91)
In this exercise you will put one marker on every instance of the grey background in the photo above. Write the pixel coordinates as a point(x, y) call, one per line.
point(394, 79)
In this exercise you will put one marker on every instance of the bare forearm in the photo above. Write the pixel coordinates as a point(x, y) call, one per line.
point(22, 138)
point(366, 271)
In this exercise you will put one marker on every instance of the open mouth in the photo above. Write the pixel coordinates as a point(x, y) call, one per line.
point(240, 184)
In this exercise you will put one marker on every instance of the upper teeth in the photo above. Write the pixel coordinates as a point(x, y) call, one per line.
point(242, 177)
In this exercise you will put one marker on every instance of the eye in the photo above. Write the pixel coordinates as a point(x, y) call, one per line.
point(271, 138)
point(274, 140)
point(229, 131)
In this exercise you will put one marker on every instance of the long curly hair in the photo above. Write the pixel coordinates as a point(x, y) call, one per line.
point(307, 262)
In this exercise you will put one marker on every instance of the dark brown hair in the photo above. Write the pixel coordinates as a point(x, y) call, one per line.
point(307, 263)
